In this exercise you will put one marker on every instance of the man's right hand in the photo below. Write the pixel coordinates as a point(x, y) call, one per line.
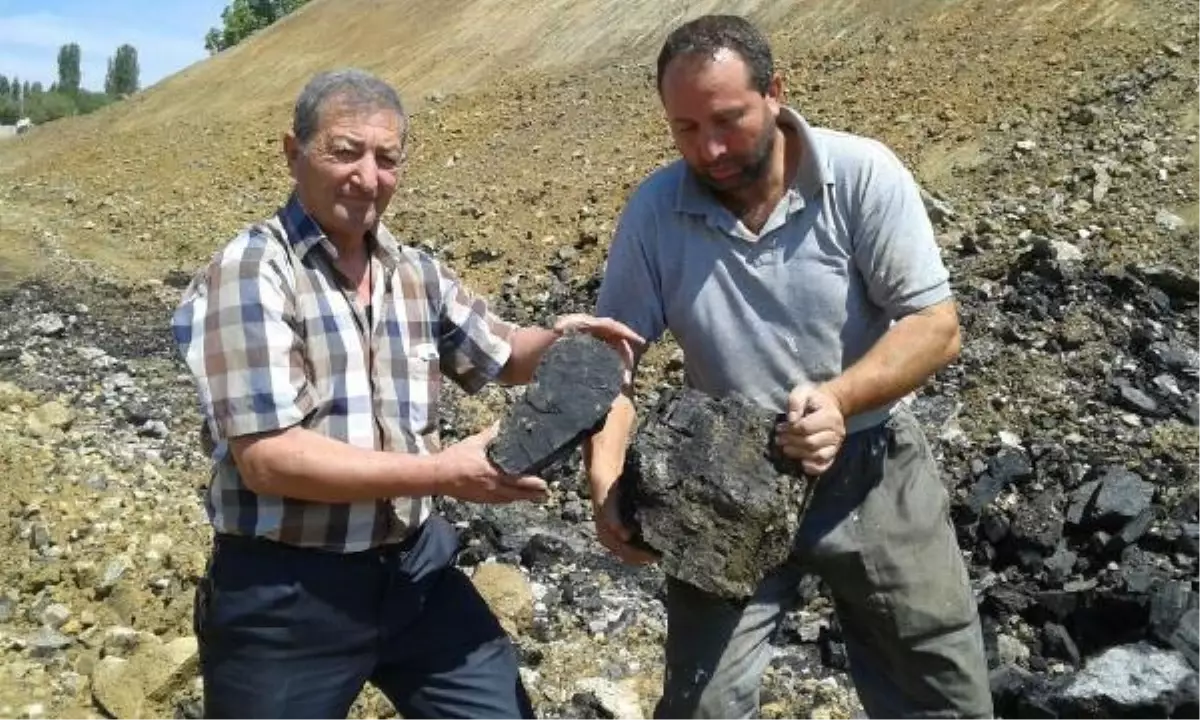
point(611, 532)
point(467, 474)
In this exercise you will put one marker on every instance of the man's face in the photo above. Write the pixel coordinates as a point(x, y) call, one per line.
point(723, 127)
point(347, 173)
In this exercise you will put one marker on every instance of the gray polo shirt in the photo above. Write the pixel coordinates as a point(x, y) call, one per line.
point(848, 250)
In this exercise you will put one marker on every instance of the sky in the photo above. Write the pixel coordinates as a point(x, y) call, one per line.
point(168, 35)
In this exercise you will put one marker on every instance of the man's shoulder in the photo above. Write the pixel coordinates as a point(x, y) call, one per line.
point(847, 153)
point(255, 245)
point(659, 190)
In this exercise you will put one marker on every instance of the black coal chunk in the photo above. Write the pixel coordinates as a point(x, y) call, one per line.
point(572, 391)
point(1009, 465)
point(706, 489)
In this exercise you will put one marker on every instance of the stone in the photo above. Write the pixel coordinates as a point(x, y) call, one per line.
point(572, 391)
point(47, 418)
point(1176, 283)
point(47, 642)
point(1081, 500)
point(1009, 465)
point(1169, 221)
point(113, 690)
point(55, 616)
point(507, 592)
point(1057, 643)
point(131, 687)
point(1168, 604)
point(1127, 681)
point(612, 700)
point(1175, 357)
point(1011, 650)
point(705, 487)
point(1134, 399)
point(1186, 637)
point(1037, 525)
point(1122, 495)
point(1060, 565)
point(1133, 530)
point(546, 548)
point(1188, 541)
point(48, 325)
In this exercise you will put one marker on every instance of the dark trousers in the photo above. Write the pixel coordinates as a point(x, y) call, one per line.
point(290, 632)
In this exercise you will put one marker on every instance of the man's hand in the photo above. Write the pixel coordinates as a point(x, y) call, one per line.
point(615, 333)
point(468, 474)
point(814, 430)
point(611, 532)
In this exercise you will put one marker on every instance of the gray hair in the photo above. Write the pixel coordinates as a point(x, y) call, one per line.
point(357, 88)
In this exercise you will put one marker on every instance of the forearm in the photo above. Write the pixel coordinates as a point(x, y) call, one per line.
point(911, 351)
point(604, 452)
point(528, 346)
point(305, 465)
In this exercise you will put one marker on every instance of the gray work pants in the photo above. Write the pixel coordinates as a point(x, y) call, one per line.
point(878, 533)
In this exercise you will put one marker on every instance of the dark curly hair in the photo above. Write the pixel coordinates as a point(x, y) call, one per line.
point(709, 34)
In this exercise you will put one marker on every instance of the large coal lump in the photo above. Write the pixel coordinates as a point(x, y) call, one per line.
point(705, 488)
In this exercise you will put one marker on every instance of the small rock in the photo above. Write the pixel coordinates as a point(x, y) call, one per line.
point(120, 640)
point(113, 572)
point(1121, 496)
point(49, 417)
point(1011, 650)
point(507, 592)
point(55, 616)
point(1169, 221)
point(1025, 146)
point(612, 699)
point(47, 642)
point(1186, 636)
point(1057, 643)
point(1137, 401)
point(48, 325)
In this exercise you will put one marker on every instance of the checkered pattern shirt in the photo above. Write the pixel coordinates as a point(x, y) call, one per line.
point(274, 340)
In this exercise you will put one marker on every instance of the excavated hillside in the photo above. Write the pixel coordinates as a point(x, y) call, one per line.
point(1057, 142)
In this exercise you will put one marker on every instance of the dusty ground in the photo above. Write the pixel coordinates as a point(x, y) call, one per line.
point(531, 124)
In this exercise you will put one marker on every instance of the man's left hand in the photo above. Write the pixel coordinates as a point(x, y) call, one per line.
point(814, 430)
point(617, 334)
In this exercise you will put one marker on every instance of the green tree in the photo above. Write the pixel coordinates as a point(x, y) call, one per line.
point(242, 18)
point(14, 90)
point(68, 68)
point(4, 87)
point(122, 76)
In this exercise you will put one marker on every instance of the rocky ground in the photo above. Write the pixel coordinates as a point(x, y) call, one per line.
point(1059, 151)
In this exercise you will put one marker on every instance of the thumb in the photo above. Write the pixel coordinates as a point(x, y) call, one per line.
point(487, 434)
point(799, 400)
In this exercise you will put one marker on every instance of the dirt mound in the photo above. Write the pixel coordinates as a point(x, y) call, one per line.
point(1057, 142)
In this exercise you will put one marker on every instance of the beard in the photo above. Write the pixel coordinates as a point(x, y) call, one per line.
point(751, 166)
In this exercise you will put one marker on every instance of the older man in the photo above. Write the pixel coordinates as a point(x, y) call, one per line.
point(796, 266)
point(318, 344)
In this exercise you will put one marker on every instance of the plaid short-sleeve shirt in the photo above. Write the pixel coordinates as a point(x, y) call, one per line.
point(275, 338)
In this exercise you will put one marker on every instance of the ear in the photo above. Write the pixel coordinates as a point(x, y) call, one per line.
point(775, 92)
point(291, 151)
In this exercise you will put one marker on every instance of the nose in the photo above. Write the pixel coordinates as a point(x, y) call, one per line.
point(366, 173)
point(712, 146)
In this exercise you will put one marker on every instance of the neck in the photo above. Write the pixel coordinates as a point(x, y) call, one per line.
point(349, 247)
